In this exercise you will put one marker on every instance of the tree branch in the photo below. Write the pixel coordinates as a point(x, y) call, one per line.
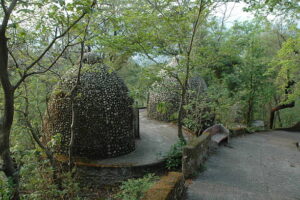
point(73, 92)
point(145, 52)
point(24, 76)
point(13, 57)
point(43, 71)
point(7, 13)
point(48, 48)
point(54, 40)
point(3, 6)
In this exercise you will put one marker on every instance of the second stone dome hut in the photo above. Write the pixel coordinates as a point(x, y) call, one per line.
point(103, 111)
point(164, 96)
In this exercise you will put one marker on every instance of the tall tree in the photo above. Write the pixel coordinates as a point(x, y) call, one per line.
point(10, 83)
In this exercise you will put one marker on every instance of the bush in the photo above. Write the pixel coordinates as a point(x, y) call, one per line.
point(133, 189)
point(174, 156)
point(5, 188)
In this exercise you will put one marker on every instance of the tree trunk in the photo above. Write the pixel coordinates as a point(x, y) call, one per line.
point(279, 119)
point(73, 131)
point(180, 114)
point(9, 167)
point(273, 111)
point(74, 115)
point(249, 111)
point(288, 86)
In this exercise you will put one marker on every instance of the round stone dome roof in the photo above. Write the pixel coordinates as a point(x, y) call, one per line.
point(103, 113)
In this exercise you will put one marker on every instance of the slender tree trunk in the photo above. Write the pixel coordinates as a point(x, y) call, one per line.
point(74, 115)
point(73, 131)
point(250, 111)
point(184, 85)
point(290, 83)
point(279, 118)
point(181, 114)
point(9, 167)
point(35, 135)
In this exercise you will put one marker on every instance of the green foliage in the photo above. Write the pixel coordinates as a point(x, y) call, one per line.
point(279, 7)
point(133, 189)
point(5, 188)
point(286, 65)
point(199, 113)
point(55, 141)
point(247, 67)
point(163, 107)
point(174, 156)
point(37, 179)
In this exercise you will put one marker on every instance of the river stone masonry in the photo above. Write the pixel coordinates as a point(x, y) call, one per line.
point(103, 111)
point(164, 97)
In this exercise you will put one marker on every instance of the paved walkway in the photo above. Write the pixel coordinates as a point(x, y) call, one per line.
point(156, 139)
point(261, 166)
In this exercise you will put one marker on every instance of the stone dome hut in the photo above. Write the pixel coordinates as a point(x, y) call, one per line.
point(163, 100)
point(164, 97)
point(103, 113)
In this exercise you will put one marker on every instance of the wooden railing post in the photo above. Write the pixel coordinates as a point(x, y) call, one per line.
point(136, 121)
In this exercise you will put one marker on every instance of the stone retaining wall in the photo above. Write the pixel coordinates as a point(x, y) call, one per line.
point(195, 154)
point(94, 175)
point(170, 187)
point(197, 150)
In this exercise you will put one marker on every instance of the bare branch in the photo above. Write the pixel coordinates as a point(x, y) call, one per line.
point(48, 48)
point(145, 52)
point(54, 40)
point(24, 76)
point(201, 7)
point(35, 131)
point(34, 134)
point(43, 71)
point(73, 91)
point(176, 77)
point(13, 57)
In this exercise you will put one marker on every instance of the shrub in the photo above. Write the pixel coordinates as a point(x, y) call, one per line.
point(5, 188)
point(174, 156)
point(133, 189)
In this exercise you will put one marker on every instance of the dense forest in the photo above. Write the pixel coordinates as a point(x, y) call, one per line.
point(250, 68)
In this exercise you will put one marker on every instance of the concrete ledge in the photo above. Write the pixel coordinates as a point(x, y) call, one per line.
point(99, 176)
point(194, 154)
point(170, 187)
point(96, 175)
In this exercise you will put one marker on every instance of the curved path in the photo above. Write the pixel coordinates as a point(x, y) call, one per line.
point(156, 140)
point(261, 166)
